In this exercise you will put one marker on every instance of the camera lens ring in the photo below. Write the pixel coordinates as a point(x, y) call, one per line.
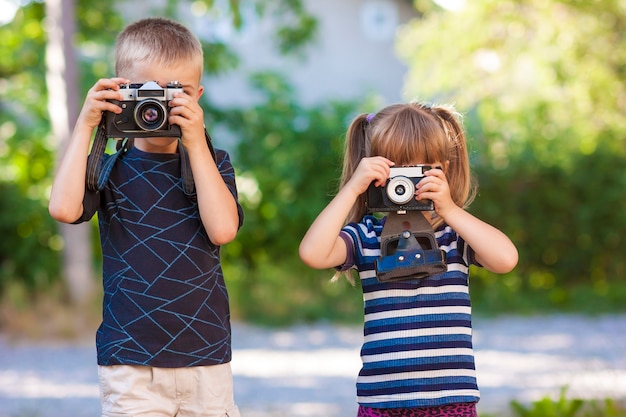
point(400, 190)
point(150, 115)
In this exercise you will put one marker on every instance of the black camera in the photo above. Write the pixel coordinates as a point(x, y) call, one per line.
point(398, 194)
point(145, 111)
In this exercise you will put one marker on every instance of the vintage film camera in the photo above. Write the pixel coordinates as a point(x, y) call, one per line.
point(409, 249)
point(145, 111)
point(398, 194)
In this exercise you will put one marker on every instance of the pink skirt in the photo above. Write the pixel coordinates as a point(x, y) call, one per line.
point(453, 410)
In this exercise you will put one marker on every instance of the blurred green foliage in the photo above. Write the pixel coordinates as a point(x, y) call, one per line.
point(29, 245)
point(568, 407)
point(541, 86)
point(289, 161)
point(30, 252)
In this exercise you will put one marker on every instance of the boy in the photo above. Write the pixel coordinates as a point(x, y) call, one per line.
point(164, 343)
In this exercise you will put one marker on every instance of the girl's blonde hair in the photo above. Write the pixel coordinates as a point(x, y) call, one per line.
point(406, 134)
point(159, 41)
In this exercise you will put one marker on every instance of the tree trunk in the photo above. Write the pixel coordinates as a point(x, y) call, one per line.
point(62, 84)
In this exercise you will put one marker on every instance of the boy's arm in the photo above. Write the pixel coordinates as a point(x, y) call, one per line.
point(219, 210)
point(68, 187)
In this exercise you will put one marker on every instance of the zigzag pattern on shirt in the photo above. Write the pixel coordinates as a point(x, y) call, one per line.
point(165, 300)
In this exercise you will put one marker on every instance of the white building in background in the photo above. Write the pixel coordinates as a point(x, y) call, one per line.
point(353, 54)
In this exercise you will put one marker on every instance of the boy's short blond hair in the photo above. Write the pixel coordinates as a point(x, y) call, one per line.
point(156, 41)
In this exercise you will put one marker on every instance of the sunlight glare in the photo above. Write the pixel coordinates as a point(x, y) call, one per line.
point(487, 60)
point(8, 8)
point(452, 5)
point(26, 385)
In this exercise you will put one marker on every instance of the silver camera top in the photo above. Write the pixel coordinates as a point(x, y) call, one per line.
point(414, 171)
point(150, 90)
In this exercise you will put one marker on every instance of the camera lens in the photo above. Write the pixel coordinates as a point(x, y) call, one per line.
point(400, 190)
point(150, 115)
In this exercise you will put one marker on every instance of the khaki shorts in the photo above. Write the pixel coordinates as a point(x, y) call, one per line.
point(142, 391)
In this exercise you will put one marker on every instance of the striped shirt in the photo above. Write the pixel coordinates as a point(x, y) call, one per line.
point(417, 349)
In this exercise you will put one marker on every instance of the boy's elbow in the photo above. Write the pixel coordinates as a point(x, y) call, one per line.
point(222, 231)
point(62, 214)
point(223, 236)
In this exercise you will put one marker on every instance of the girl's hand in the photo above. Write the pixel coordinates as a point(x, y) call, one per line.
point(493, 249)
point(434, 186)
point(370, 169)
point(322, 247)
point(97, 102)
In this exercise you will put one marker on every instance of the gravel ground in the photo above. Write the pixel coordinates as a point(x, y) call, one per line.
point(307, 371)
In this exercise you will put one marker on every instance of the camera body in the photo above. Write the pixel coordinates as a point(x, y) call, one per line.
point(398, 194)
point(145, 111)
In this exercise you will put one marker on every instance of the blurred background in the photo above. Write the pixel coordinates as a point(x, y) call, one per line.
point(540, 84)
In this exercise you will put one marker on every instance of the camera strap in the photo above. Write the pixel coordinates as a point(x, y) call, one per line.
point(99, 168)
point(189, 186)
point(408, 249)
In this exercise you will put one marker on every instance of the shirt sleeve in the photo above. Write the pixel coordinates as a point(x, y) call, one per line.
point(468, 253)
point(91, 201)
point(349, 263)
point(228, 175)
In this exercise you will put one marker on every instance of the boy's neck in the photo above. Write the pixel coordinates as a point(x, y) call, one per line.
point(157, 145)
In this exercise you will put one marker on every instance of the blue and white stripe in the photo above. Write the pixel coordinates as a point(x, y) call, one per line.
point(417, 349)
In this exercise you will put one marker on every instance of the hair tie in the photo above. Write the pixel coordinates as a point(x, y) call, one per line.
point(369, 117)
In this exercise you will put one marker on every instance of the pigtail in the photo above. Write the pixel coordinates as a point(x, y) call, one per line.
point(461, 181)
point(357, 147)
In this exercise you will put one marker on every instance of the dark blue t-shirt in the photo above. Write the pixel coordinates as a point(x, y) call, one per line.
point(165, 300)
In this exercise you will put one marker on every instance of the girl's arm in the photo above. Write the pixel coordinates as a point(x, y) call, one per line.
point(493, 249)
point(68, 188)
point(321, 247)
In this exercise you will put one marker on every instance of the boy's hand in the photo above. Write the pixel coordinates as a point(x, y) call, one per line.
point(434, 186)
point(186, 112)
point(96, 101)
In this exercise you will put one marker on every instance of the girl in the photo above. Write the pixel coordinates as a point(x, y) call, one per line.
point(417, 352)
